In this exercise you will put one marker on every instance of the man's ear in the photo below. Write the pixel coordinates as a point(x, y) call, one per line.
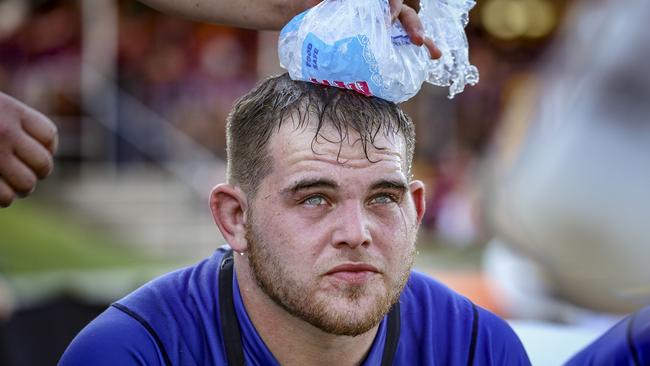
point(228, 205)
point(417, 193)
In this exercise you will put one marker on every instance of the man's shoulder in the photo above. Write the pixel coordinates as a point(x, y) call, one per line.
point(424, 291)
point(195, 285)
point(626, 343)
point(174, 317)
point(180, 304)
point(113, 338)
point(445, 326)
point(429, 305)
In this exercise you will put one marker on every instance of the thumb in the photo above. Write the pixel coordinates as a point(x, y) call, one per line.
point(395, 9)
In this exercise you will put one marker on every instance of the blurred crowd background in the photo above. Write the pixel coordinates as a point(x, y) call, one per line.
point(140, 99)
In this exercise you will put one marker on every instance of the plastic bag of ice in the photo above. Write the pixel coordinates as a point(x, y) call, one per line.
point(352, 44)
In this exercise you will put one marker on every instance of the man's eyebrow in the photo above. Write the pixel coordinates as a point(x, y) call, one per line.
point(389, 184)
point(310, 183)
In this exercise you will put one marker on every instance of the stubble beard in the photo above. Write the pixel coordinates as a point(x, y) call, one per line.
point(302, 301)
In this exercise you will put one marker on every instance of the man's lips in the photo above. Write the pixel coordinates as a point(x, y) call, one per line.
point(353, 267)
point(353, 273)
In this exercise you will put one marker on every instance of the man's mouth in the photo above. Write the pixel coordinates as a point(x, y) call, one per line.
point(353, 273)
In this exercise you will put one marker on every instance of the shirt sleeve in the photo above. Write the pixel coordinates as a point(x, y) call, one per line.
point(113, 338)
point(626, 343)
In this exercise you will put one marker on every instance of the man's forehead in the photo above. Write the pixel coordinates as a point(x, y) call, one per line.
point(347, 142)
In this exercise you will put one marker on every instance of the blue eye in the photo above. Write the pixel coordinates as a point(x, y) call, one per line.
point(314, 201)
point(383, 199)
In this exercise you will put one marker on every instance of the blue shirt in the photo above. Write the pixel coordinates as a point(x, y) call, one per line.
point(176, 317)
point(626, 343)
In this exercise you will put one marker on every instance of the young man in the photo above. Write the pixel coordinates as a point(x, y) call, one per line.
point(321, 213)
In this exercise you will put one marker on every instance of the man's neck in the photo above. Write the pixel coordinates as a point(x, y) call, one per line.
point(292, 340)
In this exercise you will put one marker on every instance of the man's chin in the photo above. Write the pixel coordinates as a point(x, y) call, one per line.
point(348, 325)
point(351, 316)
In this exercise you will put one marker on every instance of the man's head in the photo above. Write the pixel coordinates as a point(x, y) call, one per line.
point(320, 198)
point(278, 100)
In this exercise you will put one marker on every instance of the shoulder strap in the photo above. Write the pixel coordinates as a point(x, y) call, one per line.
point(392, 337)
point(472, 345)
point(227, 315)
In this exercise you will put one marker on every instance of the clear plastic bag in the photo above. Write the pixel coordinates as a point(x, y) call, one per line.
point(352, 44)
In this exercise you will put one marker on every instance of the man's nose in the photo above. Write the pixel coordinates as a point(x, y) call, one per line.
point(352, 225)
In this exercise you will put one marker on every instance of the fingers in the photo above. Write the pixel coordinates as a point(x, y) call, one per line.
point(7, 194)
point(433, 50)
point(40, 128)
point(18, 176)
point(34, 155)
point(395, 9)
point(410, 20)
point(28, 140)
point(412, 24)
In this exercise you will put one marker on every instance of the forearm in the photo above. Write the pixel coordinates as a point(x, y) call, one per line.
point(274, 14)
point(256, 14)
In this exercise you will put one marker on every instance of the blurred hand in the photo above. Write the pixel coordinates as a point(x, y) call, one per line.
point(404, 10)
point(28, 140)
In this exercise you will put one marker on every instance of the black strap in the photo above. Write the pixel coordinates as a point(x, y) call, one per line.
point(472, 345)
point(227, 315)
point(232, 333)
point(392, 337)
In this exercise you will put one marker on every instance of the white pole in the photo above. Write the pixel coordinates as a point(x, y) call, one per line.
point(98, 76)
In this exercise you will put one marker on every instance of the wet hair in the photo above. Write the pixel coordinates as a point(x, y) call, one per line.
point(276, 100)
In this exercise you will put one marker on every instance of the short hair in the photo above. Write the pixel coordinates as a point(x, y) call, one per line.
point(257, 114)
